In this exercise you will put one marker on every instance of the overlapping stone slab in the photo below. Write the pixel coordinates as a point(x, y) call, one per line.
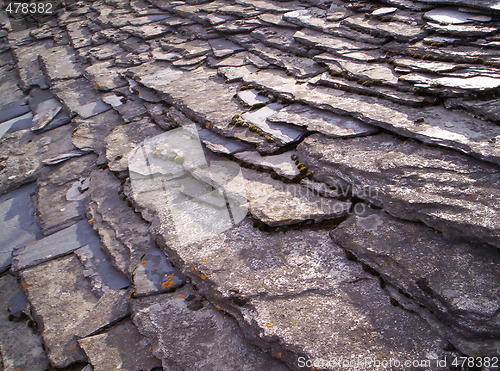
point(53, 246)
point(61, 298)
point(266, 279)
point(457, 281)
point(18, 225)
point(444, 189)
point(122, 347)
point(218, 344)
point(434, 125)
point(20, 347)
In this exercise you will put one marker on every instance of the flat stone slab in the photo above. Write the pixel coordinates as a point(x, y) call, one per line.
point(282, 165)
point(215, 343)
point(19, 162)
point(20, 347)
point(124, 234)
point(79, 97)
point(90, 133)
point(457, 281)
point(155, 274)
point(276, 204)
point(62, 192)
point(53, 246)
point(121, 348)
point(18, 123)
point(61, 298)
point(99, 270)
point(111, 308)
point(60, 63)
point(434, 125)
point(14, 109)
point(325, 122)
point(444, 189)
point(18, 225)
point(266, 279)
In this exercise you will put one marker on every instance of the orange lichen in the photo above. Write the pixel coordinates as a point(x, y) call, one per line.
point(203, 277)
point(170, 276)
point(205, 260)
point(207, 125)
point(181, 296)
point(72, 349)
point(144, 263)
point(167, 283)
point(85, 343)
point(24, 285)
point(193, 269)
point(91, 221)
point(279, 354)
point(269, 324)
point(150, 348)
point(217, 307)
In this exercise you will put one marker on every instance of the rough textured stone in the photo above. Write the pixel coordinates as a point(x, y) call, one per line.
point(434, 125)
point(120, 348)
point(254, 275)
point(79, 97)
point(111, 308)
point(327, 123)
point(61, 195)
point(217, 344)
point(61, 298)
point(456, 281)
point(282, 165)
point(99, 270)
point(90, 133)
point(275, 203)
point(18, 225)
point(442, 188)
point(123, 233)
point(20, 347)
point(60, 63)
point(53, 246)
point(19, 163)
point(124, 139)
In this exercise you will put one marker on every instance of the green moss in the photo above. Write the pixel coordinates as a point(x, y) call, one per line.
point(246, 87)
point(428, 57)
point(252, 128)
point(258, 105)
point(268, 138)
point(416, 56)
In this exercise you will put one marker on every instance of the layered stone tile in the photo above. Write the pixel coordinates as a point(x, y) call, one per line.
point(444, 189)
point(457, 281)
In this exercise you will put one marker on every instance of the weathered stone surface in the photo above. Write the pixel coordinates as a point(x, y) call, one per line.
point(155, 275)
point(53, 246)
point(442, 188)
point(13, 110)
point(453, 16)
point(79, 97)
point(434, 124)
point(123, 233)
point(347, 311)
point(327, 123)
point(61, 195)
point(223, 48)
point(123, 139)
point(18, 225)
point(90, 133)
point(105, 76)
point(28, 64)
point(275, 203)
point(19, 163)
point(282, 165)
point(282, 133)
point(61, 299)
point(217, 344)
point(182, 90)
point(489, 109)
point(112, 307)
point(121, 348)
point(60, 63)
point(456, 281)
point(99, 270)
point(23, 122)
point(55, 146)
point(20, 347)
